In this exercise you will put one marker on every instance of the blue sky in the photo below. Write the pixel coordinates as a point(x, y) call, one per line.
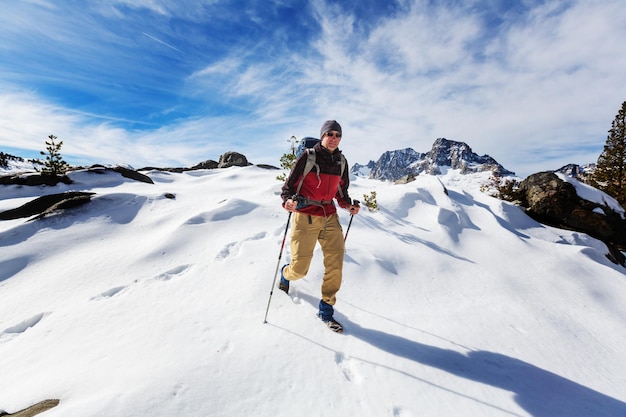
point(534, 84)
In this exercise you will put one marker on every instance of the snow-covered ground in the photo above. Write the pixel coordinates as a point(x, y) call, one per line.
point(454, 304)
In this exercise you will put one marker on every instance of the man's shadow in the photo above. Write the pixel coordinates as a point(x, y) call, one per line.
point(541, 393)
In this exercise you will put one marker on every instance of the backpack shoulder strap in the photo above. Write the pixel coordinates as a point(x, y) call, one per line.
point(343, 164)
point(310, 163)
point(343, 169)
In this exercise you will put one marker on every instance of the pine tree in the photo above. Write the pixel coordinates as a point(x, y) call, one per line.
point(54, 165)
point(610, 175)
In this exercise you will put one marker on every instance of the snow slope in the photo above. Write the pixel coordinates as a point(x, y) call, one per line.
point(454, 304)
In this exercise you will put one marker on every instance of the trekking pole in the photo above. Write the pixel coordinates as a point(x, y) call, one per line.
point(280, 255)
point(356, 203)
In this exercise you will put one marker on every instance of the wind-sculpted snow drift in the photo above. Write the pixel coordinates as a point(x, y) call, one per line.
point(453, 302)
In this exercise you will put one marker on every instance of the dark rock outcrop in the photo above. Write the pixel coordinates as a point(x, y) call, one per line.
point(167, 169)
point(208, 164)
point(124, 172)
point(33, 410)
point(552, 201)
point(230, 159)
point(133, 175)
point(47, 204)
point(267, 166)
point(34, 179)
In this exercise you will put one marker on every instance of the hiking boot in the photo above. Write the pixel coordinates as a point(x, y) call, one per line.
point(326, 315)
point(333, 325)
point(284, 283)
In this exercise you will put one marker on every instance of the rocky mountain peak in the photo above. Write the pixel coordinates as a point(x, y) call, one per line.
point(394, 165)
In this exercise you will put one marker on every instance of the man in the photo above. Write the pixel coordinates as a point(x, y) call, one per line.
point(315, 217)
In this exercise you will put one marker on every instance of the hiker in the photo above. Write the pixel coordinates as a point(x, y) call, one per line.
point(316, 219)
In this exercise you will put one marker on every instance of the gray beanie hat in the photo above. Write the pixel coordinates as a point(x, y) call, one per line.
point(328, 126)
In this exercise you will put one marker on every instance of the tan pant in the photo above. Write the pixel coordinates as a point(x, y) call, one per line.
point(305, 232)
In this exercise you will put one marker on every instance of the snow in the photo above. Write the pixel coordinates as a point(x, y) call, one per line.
point(453, 304)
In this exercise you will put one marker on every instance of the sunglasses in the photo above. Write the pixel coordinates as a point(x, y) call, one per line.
point(333, 134)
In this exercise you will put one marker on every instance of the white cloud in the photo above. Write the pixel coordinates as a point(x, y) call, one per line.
point(535, 92)
point(541, 85)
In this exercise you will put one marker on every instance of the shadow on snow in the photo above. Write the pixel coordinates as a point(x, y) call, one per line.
point(538, 391)
point(541, 393)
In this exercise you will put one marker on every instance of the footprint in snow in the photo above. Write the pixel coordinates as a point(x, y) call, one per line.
point(109, 293)
point(232, 249)
point(22, 327)
point(401, 412)
point(348, 368)
point(228, 250)
point(176, 271)
point(165, 276)
point(258, 236)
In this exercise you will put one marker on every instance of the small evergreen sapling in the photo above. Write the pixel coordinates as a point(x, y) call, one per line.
point(288, 160)
point(370, 201)
point(54, 164)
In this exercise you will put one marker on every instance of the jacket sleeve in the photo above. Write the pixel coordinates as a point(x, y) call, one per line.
point(291, 184)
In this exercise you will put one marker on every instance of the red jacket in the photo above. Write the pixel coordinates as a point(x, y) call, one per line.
point(319, 186)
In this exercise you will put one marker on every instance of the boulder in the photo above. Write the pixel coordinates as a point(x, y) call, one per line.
point(230, 159)
point(552, 201)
